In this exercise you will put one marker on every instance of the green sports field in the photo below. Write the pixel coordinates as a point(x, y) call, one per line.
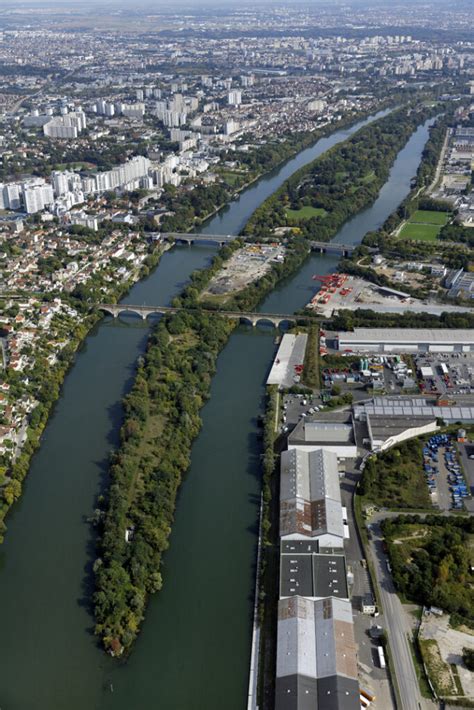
point(305, 212)
point(424, 225)
point(430, 217)
point(421, 232)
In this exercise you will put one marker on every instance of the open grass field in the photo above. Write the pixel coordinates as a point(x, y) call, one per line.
point(305, 212)
point(231, 177)
point(430, 217)
point(424, 225)
point(420, 232)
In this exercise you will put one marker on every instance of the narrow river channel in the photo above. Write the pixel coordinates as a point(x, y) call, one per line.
point(193, 653)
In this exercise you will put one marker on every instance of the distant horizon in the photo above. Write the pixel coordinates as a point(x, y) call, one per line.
point(15, 4)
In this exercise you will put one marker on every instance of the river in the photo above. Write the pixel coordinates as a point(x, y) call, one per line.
point(193, 652)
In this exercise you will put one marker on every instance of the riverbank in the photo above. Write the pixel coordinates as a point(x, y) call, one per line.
point(194, 648)
point(338, 185)
point(185, 216)
point(134, 533)
point(307, 139)
point(50, 389)
point(12, 491)
point(391, 131)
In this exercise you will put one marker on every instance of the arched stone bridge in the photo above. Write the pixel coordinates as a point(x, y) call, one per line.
point(276, 319)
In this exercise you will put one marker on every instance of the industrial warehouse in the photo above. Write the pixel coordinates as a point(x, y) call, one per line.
point(406, 340)
point(316, 649)
point(310, 497)
point(316, 659)
point(332, 430)
point(408, 417)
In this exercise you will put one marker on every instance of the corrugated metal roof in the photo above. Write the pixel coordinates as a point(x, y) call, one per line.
point(310, 475)
point(315, 638)
point(411, 408)
point(408, 335)
point(310, 496)
point(296, 643)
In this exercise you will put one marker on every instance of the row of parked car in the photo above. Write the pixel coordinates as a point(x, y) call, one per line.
point(457, 484)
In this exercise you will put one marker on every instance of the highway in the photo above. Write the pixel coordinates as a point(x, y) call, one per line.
point(398, 628)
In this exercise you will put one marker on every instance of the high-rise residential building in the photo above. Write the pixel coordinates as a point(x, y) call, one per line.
point(68, 126)
point(136, 110)
point(36, 196)
point(60, 182)
point(247, 80)
point(234, 98)
point(12, 197)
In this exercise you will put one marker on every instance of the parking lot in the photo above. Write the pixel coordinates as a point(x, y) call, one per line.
point(444, 474)
point(296, 407)
point(466, 450)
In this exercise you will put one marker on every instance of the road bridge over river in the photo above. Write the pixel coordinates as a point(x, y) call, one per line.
point(276, 319)
point(182, 238)
point(221, 239)
point(333, 248)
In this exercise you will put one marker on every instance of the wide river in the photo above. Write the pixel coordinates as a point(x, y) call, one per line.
point(193, 652)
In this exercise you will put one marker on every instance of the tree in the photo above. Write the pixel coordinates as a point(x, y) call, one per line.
point(12, 492)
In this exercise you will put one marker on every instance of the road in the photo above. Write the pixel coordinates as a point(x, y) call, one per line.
point(371, 677)
point(398, 628)
point(439, 166)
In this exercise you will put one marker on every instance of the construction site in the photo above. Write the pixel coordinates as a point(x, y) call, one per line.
point(245, 266)
point(339, 291)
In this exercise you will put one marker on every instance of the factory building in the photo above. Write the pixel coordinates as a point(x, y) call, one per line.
point(391, 420)
point(312, 575)
point(316, 655)
point(406, 340)
point(316, 650)
point(310, 497)
point(334, 432)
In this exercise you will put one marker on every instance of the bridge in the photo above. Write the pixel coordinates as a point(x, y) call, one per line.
point(333, 248)
point(178, 237)
point(222, 239)
point(276, 319)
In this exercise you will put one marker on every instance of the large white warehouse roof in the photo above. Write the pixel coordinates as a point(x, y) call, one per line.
point(408, 335)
